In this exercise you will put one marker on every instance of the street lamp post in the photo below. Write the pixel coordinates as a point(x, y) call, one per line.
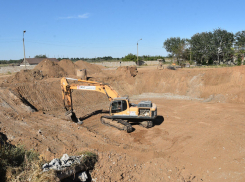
point(24, 49)
point(137, 51)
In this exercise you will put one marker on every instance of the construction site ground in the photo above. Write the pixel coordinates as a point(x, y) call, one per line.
point(198, 135)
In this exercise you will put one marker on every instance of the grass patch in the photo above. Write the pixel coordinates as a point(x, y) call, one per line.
point(89, 159)
point(18, 164)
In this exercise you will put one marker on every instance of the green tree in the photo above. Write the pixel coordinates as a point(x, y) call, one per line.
point(239, 59)
point(130, 57)
point(210, 46)
point(201, 46)
point(175, 45)
point(152, 58)
point(40, 56)
point(240, 38)
point(240, 45)
point(107, 58)
point(223, 41)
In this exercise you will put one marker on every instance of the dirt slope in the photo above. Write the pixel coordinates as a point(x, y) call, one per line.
point(69, 67)
point(219, 84)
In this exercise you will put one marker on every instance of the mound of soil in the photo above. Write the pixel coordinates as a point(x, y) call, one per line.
point(91, 68)
point(69, 67)
point(50, 69)
point(26, 76)
point(128, 70)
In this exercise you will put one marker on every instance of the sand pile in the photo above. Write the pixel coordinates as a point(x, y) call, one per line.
point(91, 68)
point(128, 70)
point(50, 69)
point(69, 67)
point(45, 69)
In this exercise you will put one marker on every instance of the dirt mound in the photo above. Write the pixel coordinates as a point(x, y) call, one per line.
point(50, 69)
point(26, 76)
point(68, 66)
point(91, 68)
point(128, 70)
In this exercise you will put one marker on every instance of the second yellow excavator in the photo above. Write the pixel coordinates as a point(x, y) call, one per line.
point(121, 111)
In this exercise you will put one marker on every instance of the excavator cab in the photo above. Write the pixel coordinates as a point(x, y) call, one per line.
point(118, 106)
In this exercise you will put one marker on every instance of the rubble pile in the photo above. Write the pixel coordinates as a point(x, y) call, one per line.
point(67, 166)
point(63, 163)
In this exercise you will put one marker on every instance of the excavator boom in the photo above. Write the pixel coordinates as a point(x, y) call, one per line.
point(84, 85)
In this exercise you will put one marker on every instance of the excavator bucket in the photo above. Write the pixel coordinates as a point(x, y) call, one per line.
point(71, 116)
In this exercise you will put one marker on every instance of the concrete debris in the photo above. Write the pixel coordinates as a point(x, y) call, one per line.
point(61, 164)
point(82, 176)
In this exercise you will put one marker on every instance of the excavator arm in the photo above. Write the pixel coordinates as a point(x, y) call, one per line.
point(83, 85)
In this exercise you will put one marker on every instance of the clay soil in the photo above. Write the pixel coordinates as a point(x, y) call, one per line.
point(198, 135)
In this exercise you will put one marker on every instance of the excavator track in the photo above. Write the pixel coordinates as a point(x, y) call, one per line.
point(146, 124)
point(116, 123)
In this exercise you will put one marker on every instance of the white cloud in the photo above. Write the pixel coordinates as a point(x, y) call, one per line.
point(83, 16)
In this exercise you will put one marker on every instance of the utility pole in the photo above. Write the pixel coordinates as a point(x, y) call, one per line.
point(24, 49)
point(137, 52)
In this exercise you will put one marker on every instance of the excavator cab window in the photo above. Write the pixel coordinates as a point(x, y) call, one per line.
point(124, 105)
point(118, 106)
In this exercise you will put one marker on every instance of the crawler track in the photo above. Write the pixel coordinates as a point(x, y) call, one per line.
point(116, 123)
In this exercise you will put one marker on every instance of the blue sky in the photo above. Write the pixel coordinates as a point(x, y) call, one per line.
point(95, 28)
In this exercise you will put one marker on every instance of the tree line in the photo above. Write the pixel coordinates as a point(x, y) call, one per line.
point(208, 47)
point(132, 57)
point(11, 61)
point(129, 57)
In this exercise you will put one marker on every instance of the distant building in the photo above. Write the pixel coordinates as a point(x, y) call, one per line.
point(36, 61)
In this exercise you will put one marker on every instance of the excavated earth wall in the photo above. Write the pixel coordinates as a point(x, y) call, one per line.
point(219, 85)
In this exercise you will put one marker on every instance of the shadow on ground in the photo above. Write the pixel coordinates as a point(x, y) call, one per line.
point(158, 121)
point(93, 113)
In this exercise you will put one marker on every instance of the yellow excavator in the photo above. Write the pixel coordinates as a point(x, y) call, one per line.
point(120, 110)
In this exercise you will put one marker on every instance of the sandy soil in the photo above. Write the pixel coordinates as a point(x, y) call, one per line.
point(198, 135)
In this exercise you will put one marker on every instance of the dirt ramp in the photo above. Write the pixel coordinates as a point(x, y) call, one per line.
point(91, 68)
point(50, 69)
point(69, 67)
